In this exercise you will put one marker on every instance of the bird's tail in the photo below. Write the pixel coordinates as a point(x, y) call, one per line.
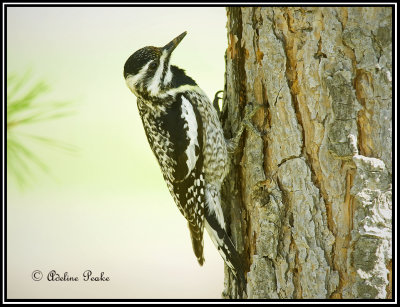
point(225, 247)
point(196, 234)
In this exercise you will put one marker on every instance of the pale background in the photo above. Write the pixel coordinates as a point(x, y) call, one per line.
point(106, 207)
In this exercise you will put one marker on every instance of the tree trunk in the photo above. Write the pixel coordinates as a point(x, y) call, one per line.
point(309, 203)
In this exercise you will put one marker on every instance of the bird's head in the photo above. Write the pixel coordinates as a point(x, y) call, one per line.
point(147, 72)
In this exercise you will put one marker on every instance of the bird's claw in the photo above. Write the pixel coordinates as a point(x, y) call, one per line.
point(215, 102)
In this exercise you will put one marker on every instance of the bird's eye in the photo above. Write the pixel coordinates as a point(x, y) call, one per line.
point(153, 65)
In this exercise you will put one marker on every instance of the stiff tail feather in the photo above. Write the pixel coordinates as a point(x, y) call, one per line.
point(196, 234)
point(226, 248)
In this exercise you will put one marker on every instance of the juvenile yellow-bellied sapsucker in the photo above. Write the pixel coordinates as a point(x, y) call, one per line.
point(185, 134)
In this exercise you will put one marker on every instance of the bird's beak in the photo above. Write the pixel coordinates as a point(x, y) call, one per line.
point(172, 44)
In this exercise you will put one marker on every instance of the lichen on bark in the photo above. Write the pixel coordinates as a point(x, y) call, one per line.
point(309, 203)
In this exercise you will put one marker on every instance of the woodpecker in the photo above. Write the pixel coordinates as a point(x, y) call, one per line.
point(185, 135)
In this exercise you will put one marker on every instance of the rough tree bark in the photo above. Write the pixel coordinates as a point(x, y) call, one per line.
point(309, 203)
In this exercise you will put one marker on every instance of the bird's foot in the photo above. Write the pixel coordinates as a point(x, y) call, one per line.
point(216, 102)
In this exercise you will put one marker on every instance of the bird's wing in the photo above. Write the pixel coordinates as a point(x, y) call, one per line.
point(180, 156)
point(186, 133)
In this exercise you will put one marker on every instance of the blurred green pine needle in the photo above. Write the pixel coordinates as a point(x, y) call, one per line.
point(25, 106)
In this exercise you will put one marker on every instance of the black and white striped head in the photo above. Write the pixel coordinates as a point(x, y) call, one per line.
point(147, 72)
